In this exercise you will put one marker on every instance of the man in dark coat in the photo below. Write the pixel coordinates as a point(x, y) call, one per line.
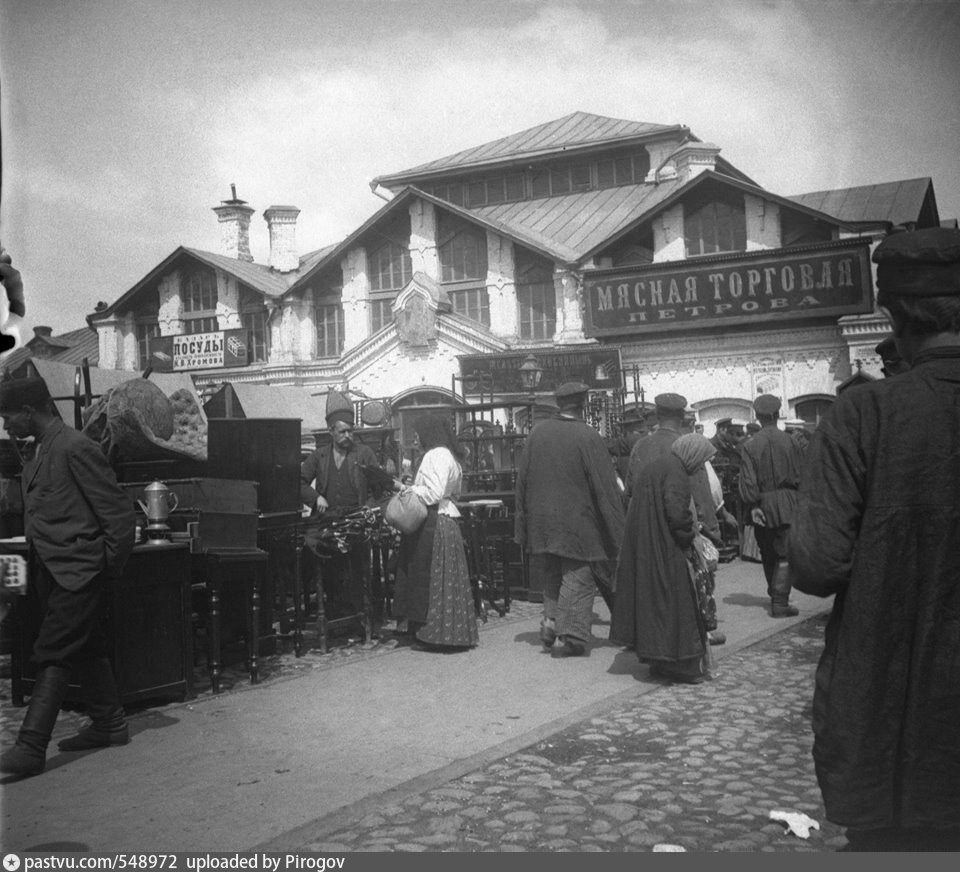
point(633, 427)
point(569, 518)
point(878, 525)
point(334, 481)
point(769, 478)
point(80, 527)
point(670, 410)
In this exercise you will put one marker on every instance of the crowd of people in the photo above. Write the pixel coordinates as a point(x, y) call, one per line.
point(866, 511)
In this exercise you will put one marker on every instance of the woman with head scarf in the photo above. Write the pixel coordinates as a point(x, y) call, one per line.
point(656, 609)
point(433, 593)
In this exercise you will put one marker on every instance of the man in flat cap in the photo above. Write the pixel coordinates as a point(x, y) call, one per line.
point(633, 426)
point(334, 482)
point(893, 363)
point(79, 525)
point(671, 411)
point(878, 527)
point(569, 519)
point(769, 478)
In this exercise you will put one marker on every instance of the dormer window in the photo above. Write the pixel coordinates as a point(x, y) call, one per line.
point(715, 222)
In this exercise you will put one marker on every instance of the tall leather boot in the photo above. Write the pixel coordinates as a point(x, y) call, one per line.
point(780, 592)
point(29, 755)
point(107, 723)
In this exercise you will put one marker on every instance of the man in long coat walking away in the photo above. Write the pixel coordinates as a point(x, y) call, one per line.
point(569, 518)
point(878, 525)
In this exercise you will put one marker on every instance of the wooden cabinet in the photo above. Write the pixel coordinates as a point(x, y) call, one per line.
point(149, 616)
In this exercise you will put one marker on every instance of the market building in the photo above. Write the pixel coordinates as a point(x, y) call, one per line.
point(601, 246)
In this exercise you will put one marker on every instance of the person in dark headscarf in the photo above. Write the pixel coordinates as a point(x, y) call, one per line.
point(656, 610)
point(433, 594)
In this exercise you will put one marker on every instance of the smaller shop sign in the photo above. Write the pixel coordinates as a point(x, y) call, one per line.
point(832, 279)
point(598, 368)
point(215, 350)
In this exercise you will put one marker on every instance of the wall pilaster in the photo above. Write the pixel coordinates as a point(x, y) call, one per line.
point(423, 239)
point(501, 286)
point(355, 297)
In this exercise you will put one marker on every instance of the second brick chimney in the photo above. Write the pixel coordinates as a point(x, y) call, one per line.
point(282, 224)
point(234, 216)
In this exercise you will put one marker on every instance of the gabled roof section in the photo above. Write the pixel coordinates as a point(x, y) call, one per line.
point(574, 131)
point(67, 348)
point(677, 191)
point(526, 236)
point(257, 276)
point(894, 202)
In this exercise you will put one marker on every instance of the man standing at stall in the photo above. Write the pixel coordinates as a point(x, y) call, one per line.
point(569, 519)
point(79, 525)
point(334, 482)
point(769, 478)
point(878, 528)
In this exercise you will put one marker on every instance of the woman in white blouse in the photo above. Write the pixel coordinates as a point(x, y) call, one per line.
point(432, 592)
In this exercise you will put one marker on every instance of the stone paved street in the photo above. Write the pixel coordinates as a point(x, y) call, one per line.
point(699, 767)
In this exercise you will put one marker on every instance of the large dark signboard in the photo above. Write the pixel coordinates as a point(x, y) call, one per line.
point(823, 280)
point(219, 349)
point(500, 373)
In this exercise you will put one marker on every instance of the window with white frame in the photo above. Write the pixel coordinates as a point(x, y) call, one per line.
point(328, 318)
point(714, 222)
point(199, 299)
point(536, 296)
point(253, 318)
point(462, 251)
point(145, 330)
point(381, 312)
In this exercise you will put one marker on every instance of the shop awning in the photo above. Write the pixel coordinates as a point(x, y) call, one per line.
point(241, 400)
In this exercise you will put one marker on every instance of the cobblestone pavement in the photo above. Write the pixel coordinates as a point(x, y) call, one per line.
point(698, 768)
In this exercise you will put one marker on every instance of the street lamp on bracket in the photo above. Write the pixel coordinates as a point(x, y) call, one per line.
point(530, 374)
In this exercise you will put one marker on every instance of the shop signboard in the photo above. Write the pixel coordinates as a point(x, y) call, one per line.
point(186, 351)
point(825, 280)
point(598, 368)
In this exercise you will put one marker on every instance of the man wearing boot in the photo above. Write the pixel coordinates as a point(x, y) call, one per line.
point(769, 479)
point(79, 525)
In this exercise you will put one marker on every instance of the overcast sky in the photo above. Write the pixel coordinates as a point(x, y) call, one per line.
point(125, 121)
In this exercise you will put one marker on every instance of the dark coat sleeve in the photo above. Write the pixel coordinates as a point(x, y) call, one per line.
point(825, 526)
point(676, 506)
point(308, 472)
point(602, 478)
point(109, 503)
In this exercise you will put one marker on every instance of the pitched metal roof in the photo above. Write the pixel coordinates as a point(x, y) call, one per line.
point(67, 348)
point(576, 130)
point(575, 224)
point(896, 202)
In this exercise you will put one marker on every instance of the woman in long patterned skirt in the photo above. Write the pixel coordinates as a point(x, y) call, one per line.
point(433, 592)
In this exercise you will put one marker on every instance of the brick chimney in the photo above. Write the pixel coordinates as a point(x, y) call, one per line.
point(692, 158)
point(43, 332)
point(282, 224)
point(234, 217)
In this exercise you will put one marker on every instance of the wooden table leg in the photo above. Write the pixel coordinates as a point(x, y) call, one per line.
point(213, 629)
point(253, 641)
point(321, 606)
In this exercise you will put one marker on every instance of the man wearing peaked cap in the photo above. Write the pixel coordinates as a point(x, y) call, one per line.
point(334, 479)
point(569, 525)
point(570, 394)
point(633, 426)
point(769, 479)
point(878, 528)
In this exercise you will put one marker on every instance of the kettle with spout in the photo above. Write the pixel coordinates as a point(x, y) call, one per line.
point(161, 501)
